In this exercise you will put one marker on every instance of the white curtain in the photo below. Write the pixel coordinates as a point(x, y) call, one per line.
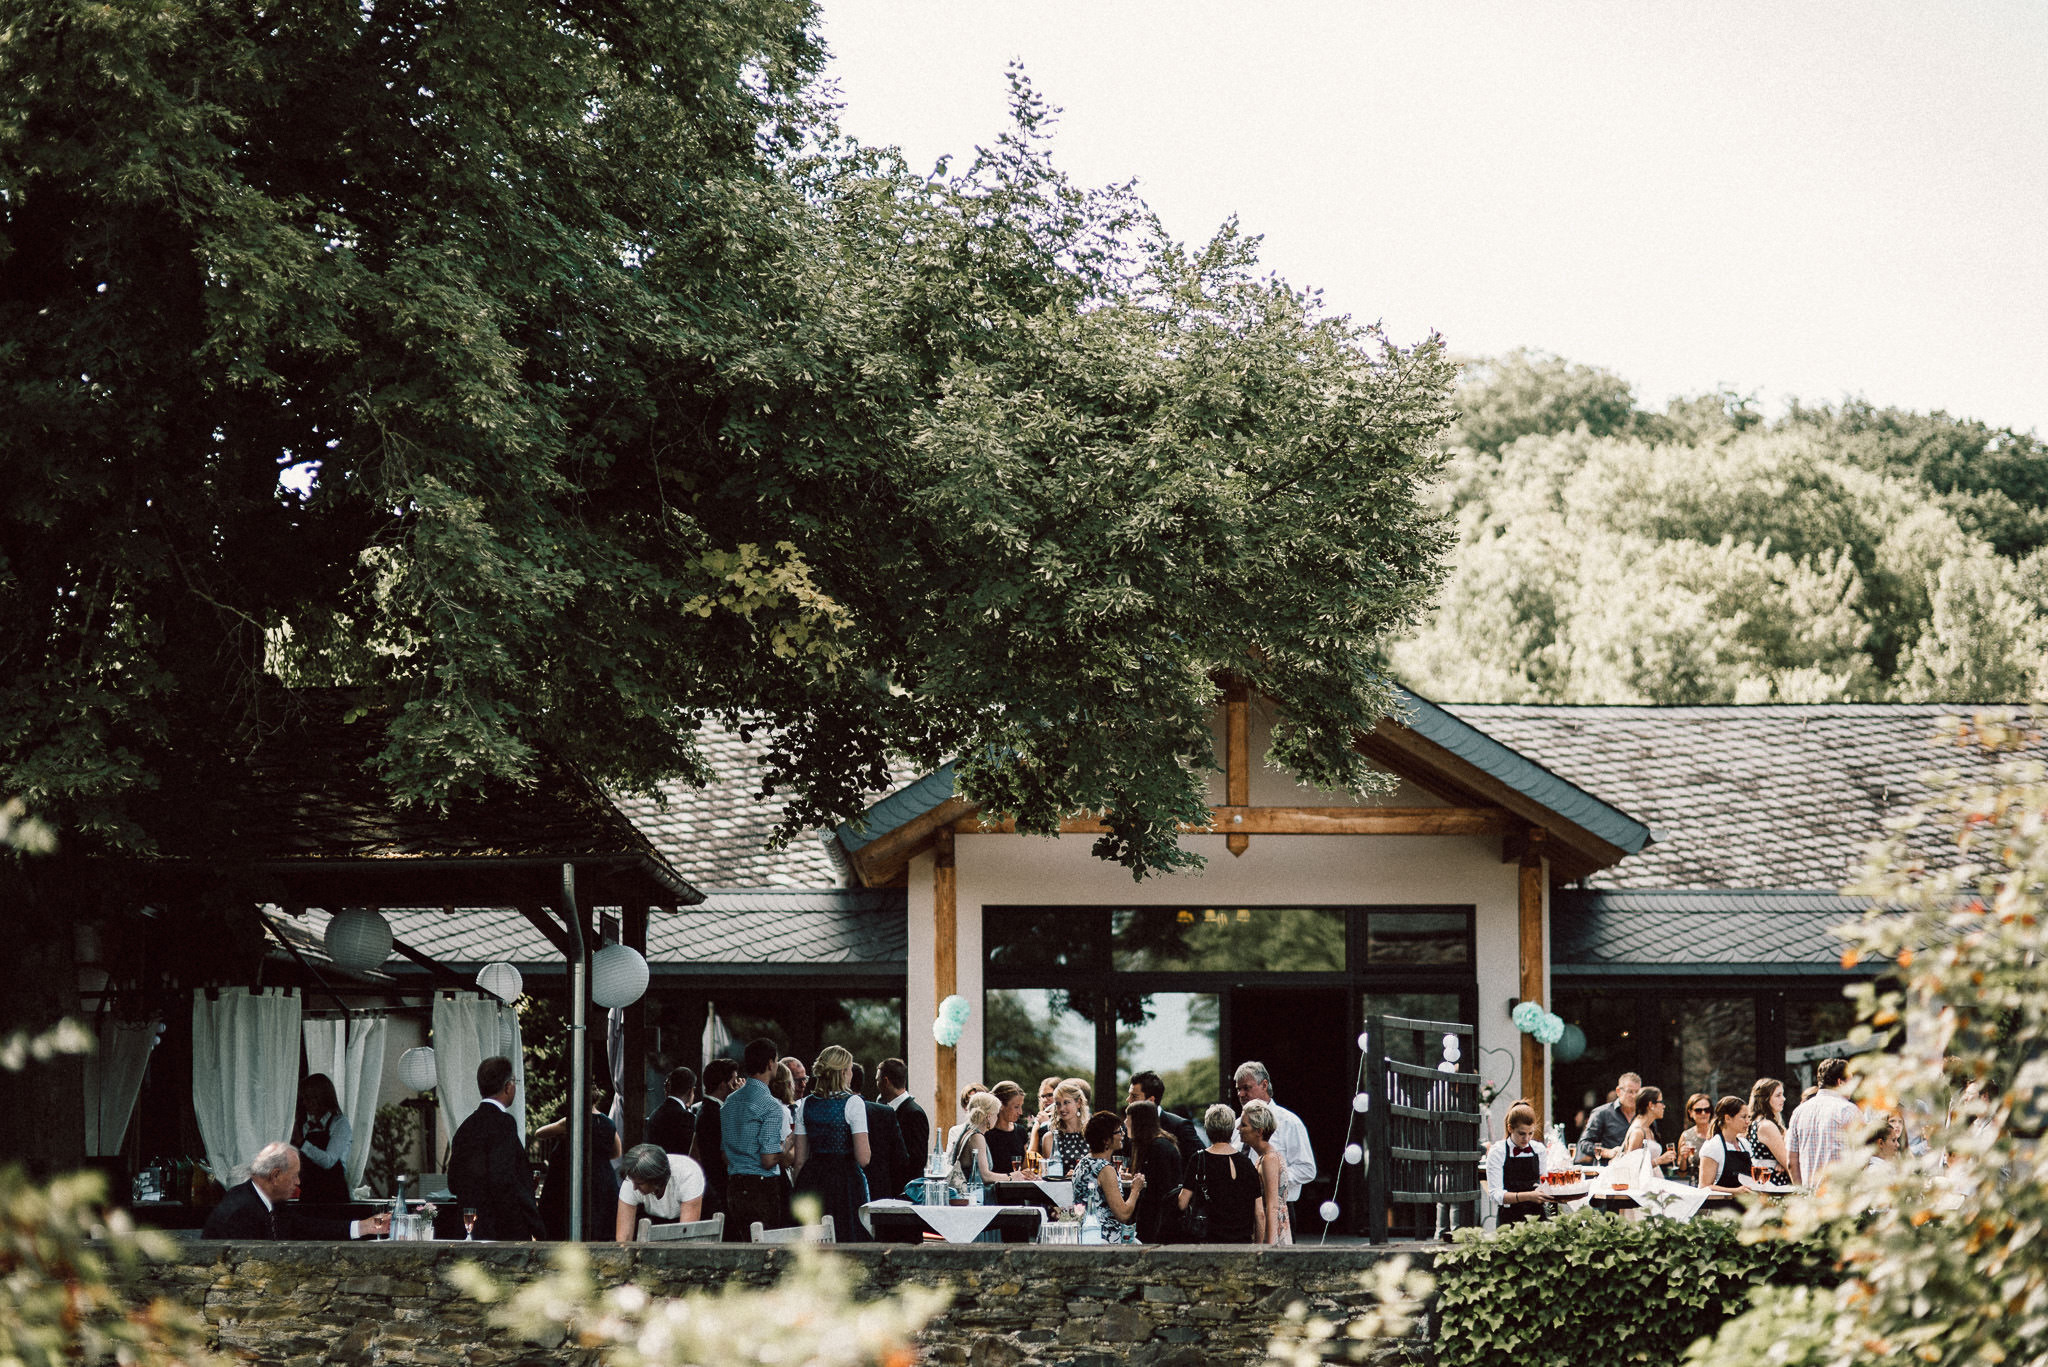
point(351, 1053)
point(467, 1030)
point(245, 1074)
point(113, 1079)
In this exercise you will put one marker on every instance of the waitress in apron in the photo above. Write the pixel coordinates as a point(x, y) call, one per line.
point(323, 1138)
point(1723, 1160)
point(1515, 1168)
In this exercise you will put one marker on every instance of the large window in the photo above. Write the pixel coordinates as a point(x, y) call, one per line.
point(1035, 1033)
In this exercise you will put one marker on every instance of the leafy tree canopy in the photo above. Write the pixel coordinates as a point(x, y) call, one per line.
point(1610, 554)
point(559, 374)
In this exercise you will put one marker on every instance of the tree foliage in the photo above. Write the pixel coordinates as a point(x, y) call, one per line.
point(1608, 554)
point(558, 374)
point(1943, 1257)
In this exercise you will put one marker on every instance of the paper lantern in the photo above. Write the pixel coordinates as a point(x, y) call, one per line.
point(1353, 1154)
point(1571, 1046)
point(501, 981)
point(1364, 1040)
point(508, 1033)
point(618, 977)
point(1329, 1212)
point(1362, 1102)
point(358, 939)
point(1451, 1050)
point(416, 1069)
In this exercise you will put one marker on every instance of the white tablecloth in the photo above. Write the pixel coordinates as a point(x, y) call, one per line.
point(954, 1224)
point(1061, 1193)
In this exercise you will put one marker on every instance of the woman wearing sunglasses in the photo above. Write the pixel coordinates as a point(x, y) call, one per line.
point(1699, 1109)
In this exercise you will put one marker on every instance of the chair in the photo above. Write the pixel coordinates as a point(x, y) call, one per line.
point(690, 1232)
point(820, 1233)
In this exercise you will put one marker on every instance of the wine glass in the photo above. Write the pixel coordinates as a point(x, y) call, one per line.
point(469, 1222)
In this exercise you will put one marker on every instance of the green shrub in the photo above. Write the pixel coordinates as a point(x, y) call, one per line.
point(1589, 1287)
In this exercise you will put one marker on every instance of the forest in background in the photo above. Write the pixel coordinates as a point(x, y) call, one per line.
point(1607, 553)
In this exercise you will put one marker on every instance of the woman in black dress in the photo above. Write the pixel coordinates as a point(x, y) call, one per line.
point(1227, 1181)
point(601, 1150)
point(1006, 1138)
point(1158, 1158)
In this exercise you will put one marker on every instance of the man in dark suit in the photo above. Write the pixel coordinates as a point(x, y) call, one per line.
point(1148, 1087)
point(889, 1165)
point(892, 1084)
point(721, 1076)
point(487, 1167)
point(673, 1124)
point(258, 1209)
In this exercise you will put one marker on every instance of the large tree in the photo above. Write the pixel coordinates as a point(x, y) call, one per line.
point(556, 374)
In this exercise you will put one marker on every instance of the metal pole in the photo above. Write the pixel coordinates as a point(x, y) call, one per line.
point(579, 1008)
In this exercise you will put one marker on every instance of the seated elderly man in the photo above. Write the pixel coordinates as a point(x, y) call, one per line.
point(257, 1208)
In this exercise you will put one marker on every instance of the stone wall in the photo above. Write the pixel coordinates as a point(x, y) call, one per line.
point(374, 1303)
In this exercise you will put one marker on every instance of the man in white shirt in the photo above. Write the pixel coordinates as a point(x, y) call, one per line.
point(1823, 1129)
point(1290, 1136)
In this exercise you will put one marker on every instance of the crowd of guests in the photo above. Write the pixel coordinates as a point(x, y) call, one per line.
point(757, 1134)
point(1720, 1142)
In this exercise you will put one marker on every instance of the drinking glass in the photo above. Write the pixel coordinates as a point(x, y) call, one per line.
point(469, 1222)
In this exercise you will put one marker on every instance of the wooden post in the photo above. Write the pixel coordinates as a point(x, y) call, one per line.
point(945, 969)
point(1237, 763)
point(633, 1098)
point(1535, 1076)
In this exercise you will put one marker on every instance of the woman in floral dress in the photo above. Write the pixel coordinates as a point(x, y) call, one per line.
point(1097, 1184)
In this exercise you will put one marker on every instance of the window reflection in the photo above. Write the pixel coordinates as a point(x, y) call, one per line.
point(1709, 1047)
point(1417, 1046)
point(1034, 1033)
point(1227, 939)
point(1175, 1036)
point(1418, 937)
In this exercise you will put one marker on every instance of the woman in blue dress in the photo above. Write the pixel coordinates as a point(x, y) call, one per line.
point(832, 1145)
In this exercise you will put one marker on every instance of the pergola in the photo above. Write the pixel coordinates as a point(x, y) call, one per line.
point(310, 826)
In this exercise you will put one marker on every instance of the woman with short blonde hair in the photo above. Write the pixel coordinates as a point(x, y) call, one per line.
point(1256, 1123)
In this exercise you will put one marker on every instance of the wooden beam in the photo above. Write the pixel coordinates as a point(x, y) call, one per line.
point(548, 926)
point(1535, 1076)
point(882, 859)
point(945, 967)
point(1300, 821)
point(1237, 761)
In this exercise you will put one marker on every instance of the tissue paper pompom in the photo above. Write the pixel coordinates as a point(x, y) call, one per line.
point(946, 1032)
point(955, 1008)
point(1329, 1212)
point(1550, 1029)
point(1527, 1016)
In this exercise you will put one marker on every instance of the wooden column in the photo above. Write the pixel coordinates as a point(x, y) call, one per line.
point(1535, 1076)
point(945, 969)
point(1237, 762)
point(633, 933)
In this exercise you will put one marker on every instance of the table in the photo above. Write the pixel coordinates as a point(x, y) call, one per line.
point(899, 1222)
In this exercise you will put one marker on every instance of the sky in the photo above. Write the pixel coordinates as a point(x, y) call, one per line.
point(1814, 200)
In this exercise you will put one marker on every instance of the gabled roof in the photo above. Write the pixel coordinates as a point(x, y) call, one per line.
point(1761, 932)
point(1430, 744)
point(1780, 796)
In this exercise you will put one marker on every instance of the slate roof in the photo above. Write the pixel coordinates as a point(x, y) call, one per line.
point(734, 929)
point(1778, 796)
point(718, 835)
point(1753, 932)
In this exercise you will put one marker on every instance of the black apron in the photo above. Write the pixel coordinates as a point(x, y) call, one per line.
point(1519, 1172)
point(315, 1182)
point(1734, 1164)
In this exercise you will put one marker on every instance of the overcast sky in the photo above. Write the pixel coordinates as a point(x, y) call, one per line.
point(1806, 199)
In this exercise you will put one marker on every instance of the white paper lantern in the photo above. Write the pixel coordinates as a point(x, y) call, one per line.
point(1451, 1050)
point(1364, 1040)
point(1447, 1066)
point(417, 1071)
point(1353, 1154)
point(1362, 1102)
point(508, 1033)
point(1329, 1212)
point(618, 976)
point(501, 981)
point(358, 940)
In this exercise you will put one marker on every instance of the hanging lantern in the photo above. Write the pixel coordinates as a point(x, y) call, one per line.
point(358, 939)
point(508, 1033)
point(1362, 1102)
point(1329, 1212)
point(1570, 1046)
point(618, 977)
point(1353, 1154)
point(416, 1070)
point(501, 981)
